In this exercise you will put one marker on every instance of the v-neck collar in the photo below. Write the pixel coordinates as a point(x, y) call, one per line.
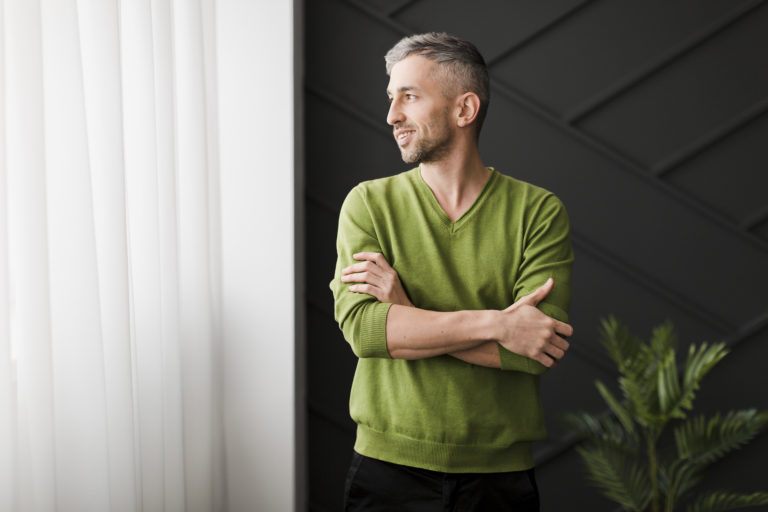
point(453, 226)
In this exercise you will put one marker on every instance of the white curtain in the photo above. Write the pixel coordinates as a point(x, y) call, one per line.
point(109, 257)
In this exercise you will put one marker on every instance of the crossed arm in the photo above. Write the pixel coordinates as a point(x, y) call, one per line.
point(471, 336)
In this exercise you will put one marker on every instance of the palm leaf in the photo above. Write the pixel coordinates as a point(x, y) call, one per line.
point(638, 394)
point(618, 475)
point(705, 441)
point(674, 400)
point(721, 500)
point(618, 409)
point(682, 476)
point(623, 348)
point(668, 387)
point(700, 361)
point(605, 430)
point(656, 391)
point(663, 340)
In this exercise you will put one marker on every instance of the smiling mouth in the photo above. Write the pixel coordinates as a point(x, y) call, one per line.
point(404, 136)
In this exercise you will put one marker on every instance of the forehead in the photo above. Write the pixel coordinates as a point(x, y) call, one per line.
point(413, 71)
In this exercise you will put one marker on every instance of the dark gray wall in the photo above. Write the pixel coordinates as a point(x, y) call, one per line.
point(646, 117)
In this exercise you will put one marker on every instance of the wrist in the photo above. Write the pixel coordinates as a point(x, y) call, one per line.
point(489, 323)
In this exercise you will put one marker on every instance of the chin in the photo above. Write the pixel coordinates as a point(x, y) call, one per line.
point(410, 158)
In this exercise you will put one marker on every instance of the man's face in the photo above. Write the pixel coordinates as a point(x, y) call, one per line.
point(419, 112)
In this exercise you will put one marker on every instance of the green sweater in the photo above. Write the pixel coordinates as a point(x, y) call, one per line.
point(441, 413)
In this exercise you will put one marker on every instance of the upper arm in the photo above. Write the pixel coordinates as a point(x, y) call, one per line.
point(546, 253)
point(361, 317)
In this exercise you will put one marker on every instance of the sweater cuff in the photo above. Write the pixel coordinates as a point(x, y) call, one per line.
point(517, 363)
point(373, 331)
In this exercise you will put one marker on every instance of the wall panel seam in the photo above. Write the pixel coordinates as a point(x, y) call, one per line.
point(546, 27)
point(626, 164)
point(679, 50)
point(709, 139)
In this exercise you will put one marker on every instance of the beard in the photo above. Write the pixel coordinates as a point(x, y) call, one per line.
point(426, 150)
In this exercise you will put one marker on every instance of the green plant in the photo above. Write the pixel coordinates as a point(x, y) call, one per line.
point(623, 453)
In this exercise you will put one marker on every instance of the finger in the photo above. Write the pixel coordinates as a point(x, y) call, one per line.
point(366, 288)
point(560, 343)
point(369, 256)
point(533, 298)
point(538, 295)
point(375, 257)
point(381, 261)
point(360, 267)
point(554, 352)
point(563, 329)
point(545, 360)
point(363, 277)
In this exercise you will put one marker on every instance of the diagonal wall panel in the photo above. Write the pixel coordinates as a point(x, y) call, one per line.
point(703, 89)
point(490, 32)
point(716, 175)
point(683, 245)
point(603, 43)
point(649, 229)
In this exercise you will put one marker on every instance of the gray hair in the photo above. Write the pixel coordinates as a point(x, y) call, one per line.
point(459, 60)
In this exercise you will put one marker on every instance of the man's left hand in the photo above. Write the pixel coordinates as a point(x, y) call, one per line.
point(374, 276)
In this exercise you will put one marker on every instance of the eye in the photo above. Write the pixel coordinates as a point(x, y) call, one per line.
point(410, 96)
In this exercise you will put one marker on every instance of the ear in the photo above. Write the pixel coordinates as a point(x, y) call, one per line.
point(467, 106)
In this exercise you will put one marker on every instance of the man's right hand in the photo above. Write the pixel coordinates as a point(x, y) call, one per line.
point(525, 330)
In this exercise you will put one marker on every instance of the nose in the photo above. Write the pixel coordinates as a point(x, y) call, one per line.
point(395, 114)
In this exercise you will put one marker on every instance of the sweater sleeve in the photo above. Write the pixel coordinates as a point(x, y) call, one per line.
point(547, 253)
point(361, 317)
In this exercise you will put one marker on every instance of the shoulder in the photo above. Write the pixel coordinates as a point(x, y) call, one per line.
point(380, 190)
point(531, 197)
point(379, 186)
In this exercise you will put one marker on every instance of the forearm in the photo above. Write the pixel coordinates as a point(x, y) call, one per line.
point(414, 333)
point(485, 354)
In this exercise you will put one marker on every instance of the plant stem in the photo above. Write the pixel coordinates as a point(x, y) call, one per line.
point(653, 469)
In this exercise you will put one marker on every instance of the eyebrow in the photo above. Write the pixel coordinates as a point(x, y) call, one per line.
point(404, 88)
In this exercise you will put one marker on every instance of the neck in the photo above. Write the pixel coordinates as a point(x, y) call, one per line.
point(456, 180)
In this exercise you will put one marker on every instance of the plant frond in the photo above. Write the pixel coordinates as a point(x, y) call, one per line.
point(621, 413)
point(701, 359)
point(619, 476)
point(678, 479)
point(606, 430)
point(639, 393)
point(663, 340)
point(622, 456)
point(637, 364)
point(723, 500)
point(627, 351)
point(674, 399)
point(671, 400)
point(706, 440)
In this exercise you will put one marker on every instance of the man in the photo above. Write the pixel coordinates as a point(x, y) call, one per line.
point(452, 286)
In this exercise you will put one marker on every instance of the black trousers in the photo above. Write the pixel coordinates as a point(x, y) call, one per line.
point(377, 486)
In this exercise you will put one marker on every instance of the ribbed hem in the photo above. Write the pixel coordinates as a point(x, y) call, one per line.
point(373, 330)
point(447, 458)
point(517, 363)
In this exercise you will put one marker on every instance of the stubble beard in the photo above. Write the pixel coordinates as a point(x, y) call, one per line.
point(426, 150)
